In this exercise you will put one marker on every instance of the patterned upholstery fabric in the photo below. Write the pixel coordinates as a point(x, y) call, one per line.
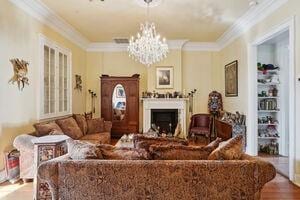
point(81, 121)
point(95, 125)
point(48, 128)
point(124, 153)
point(80, 150)
point(141, 141)
point(215, 144)
point(231, 149)
point(70, 127)
point(25, 146)
point(97, 138)
point(179, 152)
point(156, 179)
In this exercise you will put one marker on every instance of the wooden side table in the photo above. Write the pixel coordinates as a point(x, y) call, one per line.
point(46, 148)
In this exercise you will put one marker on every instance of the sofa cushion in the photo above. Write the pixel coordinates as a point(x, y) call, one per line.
point(49, 128)
point(97, 138)
point(95, 125)
point(231, 149)
point(141, 141)
point(110, 152)
point(70, 127)
point(179, 152)
point(81, 121)
point(79, 150)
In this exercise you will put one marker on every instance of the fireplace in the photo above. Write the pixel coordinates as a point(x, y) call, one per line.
point(166, 104)
point(165, 119)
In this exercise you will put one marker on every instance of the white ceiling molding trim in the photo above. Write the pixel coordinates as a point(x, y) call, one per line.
point(113, 47)
point(201, 46)
point(176, 44)
point(248, 20)
point(41, 12)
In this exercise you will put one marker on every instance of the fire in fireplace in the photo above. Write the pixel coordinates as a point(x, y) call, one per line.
point(165, 119)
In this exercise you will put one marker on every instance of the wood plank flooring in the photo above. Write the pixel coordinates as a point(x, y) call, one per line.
point(280, 188)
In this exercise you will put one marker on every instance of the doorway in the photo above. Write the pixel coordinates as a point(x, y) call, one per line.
point(272, 98)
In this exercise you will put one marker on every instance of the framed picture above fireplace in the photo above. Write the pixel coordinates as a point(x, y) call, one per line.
point(164, 77)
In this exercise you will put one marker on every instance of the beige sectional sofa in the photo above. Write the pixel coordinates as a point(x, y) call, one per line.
point(75, 126)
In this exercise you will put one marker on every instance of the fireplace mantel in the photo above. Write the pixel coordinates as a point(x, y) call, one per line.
point(165, 103)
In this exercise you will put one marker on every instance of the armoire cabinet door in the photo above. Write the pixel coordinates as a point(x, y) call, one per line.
point(124, 115)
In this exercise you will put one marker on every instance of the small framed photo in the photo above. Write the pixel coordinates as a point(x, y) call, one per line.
point(164, 77)
point(231, 79)
point(120, 92)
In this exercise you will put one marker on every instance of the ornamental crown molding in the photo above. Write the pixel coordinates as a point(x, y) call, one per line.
point(41, 12)
point(114, 47)
point(252, 17)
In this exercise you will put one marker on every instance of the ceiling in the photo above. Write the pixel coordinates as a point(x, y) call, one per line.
point(195, 20)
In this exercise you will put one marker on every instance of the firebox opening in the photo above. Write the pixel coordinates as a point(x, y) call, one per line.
point(165, 119)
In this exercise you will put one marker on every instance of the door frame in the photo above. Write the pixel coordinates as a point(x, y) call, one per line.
point(252, 149)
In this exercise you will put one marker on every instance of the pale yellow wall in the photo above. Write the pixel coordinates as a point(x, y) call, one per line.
point(197, 73)
point(19, 38)
point(192, 70)
point(173, 59)
point(238, 51)
point(113, 64)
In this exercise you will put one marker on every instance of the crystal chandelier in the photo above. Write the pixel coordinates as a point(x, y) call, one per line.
point(148, 47)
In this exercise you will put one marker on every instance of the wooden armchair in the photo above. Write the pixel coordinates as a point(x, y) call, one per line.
point(200, 125)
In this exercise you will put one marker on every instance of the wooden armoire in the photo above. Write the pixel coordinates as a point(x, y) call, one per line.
point(120, 103)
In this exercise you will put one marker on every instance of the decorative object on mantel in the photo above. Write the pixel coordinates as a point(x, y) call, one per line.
point(78, 82)
point(93, 97)
point(20, 71)
point(147, 47)
point(231, 79)
point(164, 77)
point(167, 95)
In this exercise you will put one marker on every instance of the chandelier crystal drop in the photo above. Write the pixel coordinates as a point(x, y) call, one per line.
point(148, 47)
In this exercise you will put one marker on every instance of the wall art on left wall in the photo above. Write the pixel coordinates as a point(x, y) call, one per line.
point(20, 68)
point(78, 82)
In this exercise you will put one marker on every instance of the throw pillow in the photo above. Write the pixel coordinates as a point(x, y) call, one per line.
point(179, 152)
point(110, 152)
point(70, 127)
point(50, 128)
point(95, 125)
point(143, 142)
point(215, 144)
point(81, 121)
point(231, 149)
point(79, 150)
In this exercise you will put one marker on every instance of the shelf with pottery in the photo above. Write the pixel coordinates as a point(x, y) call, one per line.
point(268, 86)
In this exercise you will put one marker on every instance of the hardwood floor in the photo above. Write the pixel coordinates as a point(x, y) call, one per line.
point(278, 189)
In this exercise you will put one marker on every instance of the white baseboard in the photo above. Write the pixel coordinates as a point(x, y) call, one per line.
point(297, 180)
point(3, 177)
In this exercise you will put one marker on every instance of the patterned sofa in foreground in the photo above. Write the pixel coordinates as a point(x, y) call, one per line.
point(156, 179)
